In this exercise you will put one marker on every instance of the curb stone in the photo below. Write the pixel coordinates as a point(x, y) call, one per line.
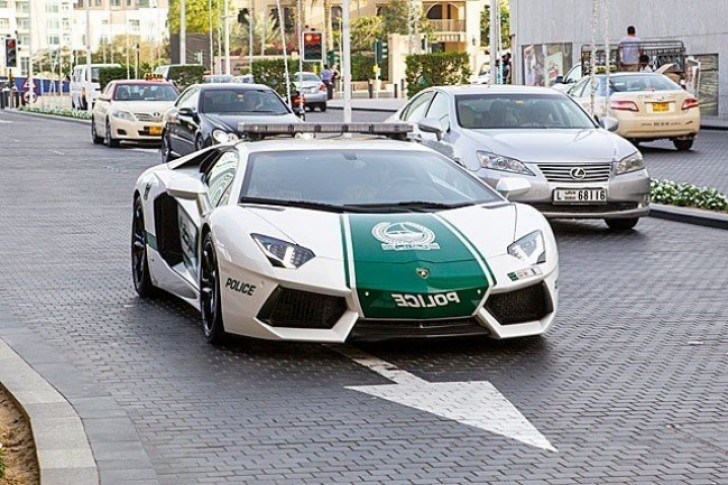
point(689, 216)
point(62, 448)
point(51, 117)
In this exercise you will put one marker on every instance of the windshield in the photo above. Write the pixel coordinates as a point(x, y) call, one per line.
point(639, 82)
point(242, 101)
point(347, 179)
point(307, 77)
point(509, 111)
point(144, 92)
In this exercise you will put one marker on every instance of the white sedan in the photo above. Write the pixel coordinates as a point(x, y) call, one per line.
point(324, 240)
point(131, 111)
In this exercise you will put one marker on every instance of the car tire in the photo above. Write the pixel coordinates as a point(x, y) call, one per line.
point(622, 224)
point(683, 145)
point(199, 143)
point(139, 259)
point(165, 150)
point(95, 138)
point(322, 107)
point(110, 141)
point(210, 301)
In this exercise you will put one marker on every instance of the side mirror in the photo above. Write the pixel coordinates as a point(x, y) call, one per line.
point(512, 186)
point(300, 112)
point(608, 123)
point(185, 188)
point(559, 80)
point(431, 125)
point(186, 111)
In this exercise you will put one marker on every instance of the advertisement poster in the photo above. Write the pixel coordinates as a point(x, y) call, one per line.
point(542, 63)
point(554, 67)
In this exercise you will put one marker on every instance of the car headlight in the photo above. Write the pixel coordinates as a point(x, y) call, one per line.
point(631, 163)
point(123, 115)
point(530, 248)
point(506, 164)
point(283, 254)
point(222, 136)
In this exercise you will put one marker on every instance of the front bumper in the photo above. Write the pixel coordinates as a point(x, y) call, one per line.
point(334, 312)
point(627, 195)
point(136, 130)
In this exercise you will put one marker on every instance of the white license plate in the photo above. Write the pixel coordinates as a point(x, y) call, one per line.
point(580, 196)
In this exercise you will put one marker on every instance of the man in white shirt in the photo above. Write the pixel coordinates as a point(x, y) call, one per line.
point(629, 51)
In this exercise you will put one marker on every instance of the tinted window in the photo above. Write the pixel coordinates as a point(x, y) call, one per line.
point(144, 92)
point(379, 177)
point(242, 101)
point(497, 111)
point(417, 108)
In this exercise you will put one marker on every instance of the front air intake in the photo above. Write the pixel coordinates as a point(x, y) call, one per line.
point(520, 306)
point(302, 309)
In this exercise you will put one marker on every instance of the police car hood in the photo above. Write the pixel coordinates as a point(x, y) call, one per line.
point(443, 236)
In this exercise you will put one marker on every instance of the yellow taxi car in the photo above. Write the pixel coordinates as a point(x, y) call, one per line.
point(131, 110)
point(648, 106)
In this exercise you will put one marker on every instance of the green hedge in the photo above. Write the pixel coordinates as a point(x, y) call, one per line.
point(687, 195)
point(361, 67)
point(437, 69)
point(108, 74)
point(272, 72)
point(183, 76)
point(66, 113)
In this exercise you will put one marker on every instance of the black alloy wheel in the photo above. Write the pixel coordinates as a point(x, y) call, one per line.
point(210, 302)
point(139, 263)
point(166, 150)
point(95, 138)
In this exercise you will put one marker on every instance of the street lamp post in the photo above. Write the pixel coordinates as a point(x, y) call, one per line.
point(226, 27)
point(88, 55)
point(346, 58)
point(182, 32)
point(494, 28)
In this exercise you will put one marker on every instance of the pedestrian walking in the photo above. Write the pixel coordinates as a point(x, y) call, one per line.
point(630, 51)
point(327, 77)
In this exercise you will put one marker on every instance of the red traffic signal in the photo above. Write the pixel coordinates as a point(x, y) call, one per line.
point(313, 47)
point(11, 52)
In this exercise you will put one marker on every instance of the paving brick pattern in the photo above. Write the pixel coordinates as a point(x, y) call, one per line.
point(630, 386)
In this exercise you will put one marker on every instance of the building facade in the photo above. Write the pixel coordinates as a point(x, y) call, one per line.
point(547, 36)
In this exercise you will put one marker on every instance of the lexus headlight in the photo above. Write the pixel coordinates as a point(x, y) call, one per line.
point(222, 136)
point(283, 254)
point(631, 163)
point(123, 115)
point(530, 248)
point(506, 164)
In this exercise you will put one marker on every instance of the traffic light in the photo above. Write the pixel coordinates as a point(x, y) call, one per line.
point(11, 52)
point(244, 16)
point(333, 58)
point(381, 50)
point(313, 47)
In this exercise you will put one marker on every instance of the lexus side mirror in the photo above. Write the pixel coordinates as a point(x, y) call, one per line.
point(559, 80)
point(608, 123)
point(431, 125)
point(186, 111)
point(300, 112)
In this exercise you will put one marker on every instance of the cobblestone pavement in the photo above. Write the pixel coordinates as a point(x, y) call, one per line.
point(629, 386)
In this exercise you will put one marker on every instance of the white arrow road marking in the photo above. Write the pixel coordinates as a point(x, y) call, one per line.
point(477, 403)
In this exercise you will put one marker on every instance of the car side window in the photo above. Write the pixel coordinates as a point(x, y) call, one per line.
point(440, 110)
point(219, 178)
point(417, 109)
point(193, 100)
point(183, 97)
point(578, 88)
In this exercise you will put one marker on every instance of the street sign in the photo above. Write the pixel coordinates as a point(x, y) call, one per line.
point(29, 85)
point(312, 47)
point(30, 97)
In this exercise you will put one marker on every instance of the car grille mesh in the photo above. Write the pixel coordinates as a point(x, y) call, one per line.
point(519, 306)
point(148, 117)
point(302, 309)
point(563, 173)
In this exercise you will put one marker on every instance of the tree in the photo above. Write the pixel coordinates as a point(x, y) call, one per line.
point(505, 30)
point(197, 15)
point(364, 31)
point(263, 26)
point(395, 15)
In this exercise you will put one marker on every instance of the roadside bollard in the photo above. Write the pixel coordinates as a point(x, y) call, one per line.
point(401, 88)
point(395, 90)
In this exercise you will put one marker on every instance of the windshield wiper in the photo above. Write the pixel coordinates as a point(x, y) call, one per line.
point(305, 204)
point(413, 205)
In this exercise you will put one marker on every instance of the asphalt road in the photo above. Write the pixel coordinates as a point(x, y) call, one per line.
point(629, 386)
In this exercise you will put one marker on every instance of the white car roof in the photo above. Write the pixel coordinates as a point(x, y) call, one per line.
point(493, 89)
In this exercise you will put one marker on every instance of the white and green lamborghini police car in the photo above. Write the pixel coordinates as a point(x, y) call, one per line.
point(330, 239)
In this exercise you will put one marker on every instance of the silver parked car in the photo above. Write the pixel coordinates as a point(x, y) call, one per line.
point(575, 166)
point(313, 90)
